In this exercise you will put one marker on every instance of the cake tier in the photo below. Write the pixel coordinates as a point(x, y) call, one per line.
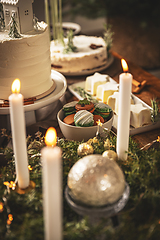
point(91, 53)
point(26, 58)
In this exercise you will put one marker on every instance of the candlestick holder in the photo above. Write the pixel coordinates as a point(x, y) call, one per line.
point(96, 213)
point(26, 190)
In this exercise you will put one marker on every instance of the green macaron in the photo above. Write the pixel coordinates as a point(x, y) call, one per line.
point(103, 110)
point(69, 108)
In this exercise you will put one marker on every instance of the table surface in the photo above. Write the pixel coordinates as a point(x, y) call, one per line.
point(150, 91)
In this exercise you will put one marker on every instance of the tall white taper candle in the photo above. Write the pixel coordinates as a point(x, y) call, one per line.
point(19, 135)
point(123, 125)
point(52, 189)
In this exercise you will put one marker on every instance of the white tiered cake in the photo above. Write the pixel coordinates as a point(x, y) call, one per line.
point(26, 57)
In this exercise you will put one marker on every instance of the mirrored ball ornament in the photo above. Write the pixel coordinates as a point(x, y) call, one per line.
point(84, 149)
point(111, 154)
point(96, 181)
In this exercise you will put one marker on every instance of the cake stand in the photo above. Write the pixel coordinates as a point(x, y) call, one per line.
point(96, 213)
point(60, 89)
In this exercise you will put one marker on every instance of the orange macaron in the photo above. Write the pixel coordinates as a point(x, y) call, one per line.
point(69, 119)
point(85, 105)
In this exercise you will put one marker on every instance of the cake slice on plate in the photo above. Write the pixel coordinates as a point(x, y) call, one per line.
point(92, 82)
point(106, 90)
point(140, 115)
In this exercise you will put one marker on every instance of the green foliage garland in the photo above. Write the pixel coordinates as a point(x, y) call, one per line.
point(139, 220)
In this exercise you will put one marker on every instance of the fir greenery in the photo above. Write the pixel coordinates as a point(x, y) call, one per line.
point(69, 46)
point(84, 94)
point(108, 37)
point(155, 113)
point(140, 219)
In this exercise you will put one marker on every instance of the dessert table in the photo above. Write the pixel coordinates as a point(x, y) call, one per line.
point(148, 93)
point(140, 217)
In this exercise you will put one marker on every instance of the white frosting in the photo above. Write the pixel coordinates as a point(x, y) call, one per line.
point(26, 58)
point(101, 105)
point(105, 90)
point(140, 115)
point(84, 59)
point(92, 82)
point(83, 117)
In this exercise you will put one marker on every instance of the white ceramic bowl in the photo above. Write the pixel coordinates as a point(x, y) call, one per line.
point(81, 133)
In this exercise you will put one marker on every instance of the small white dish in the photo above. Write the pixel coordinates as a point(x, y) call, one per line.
point(81, 133)
point(74, 26)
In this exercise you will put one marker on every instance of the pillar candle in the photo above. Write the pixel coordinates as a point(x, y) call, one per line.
point(123, 125)
point(19, 135)
point(52, 187)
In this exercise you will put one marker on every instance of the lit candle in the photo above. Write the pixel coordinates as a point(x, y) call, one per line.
point(52, 186)
point(19, 135)
point(123, 125)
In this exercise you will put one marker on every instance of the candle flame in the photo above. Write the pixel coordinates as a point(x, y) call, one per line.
point(51, 137)
point(1, 207)
point(124, 65)
point(16, 85)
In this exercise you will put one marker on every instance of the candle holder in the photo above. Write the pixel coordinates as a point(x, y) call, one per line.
point(31, 186)
point(96, 213)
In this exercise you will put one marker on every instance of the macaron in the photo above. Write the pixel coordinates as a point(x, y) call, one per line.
point(85, 105)
point(69, 108)
point(103, 110)
point(69, 119)
point(83, 118)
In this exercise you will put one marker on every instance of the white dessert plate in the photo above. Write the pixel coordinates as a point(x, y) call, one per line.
point(90, 71)
point(133, 131)
point(61, 86)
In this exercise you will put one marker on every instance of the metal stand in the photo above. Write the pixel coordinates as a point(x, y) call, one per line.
point(95, 214)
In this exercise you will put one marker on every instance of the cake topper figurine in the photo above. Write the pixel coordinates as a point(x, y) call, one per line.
point(22, 11)
point(13, 31)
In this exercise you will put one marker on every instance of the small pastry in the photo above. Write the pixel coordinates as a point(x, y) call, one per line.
point(69, 119)
point(103, 110)
point(83, 118)
point(69, 108)
point(85, 105)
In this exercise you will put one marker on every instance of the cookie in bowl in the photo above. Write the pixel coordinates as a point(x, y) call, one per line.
point(69, 108)
point(103, 110)
point(79, 133)
point(83, 118)
point(85, 105)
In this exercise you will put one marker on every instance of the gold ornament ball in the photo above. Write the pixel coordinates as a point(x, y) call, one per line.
point(107, 144)
point(85, 149)
point(111, 154)
point(96, 181)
